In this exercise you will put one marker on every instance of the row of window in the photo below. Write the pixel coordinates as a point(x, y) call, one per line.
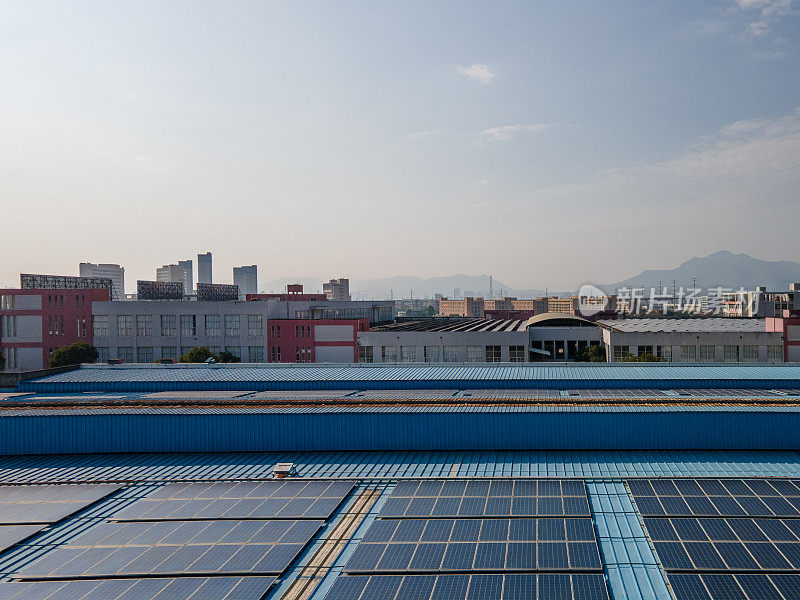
point(174, 325)
point(8, 326)
point(702, 353)
point(147, 354)
point(432, 354)
point(7, 302)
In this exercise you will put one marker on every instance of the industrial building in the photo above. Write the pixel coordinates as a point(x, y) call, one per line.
point(368, 482)
point(561, 337)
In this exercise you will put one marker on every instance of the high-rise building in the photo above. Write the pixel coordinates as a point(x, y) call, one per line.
point(188, 279)
point(204, 268)
point(337, 289)
point(247, 280)
point(171, 273)
point(109, 271)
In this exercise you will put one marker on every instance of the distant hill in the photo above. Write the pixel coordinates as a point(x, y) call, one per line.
point(721, 269)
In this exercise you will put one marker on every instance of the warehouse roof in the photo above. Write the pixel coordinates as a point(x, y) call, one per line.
point(702, 325)
point(453, 325)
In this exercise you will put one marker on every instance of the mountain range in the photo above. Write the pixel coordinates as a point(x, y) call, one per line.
point(721, 269)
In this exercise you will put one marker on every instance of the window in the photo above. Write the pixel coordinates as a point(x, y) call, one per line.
point(6, 302)
point(731, 353)
point(664, 352)
point(688, 353)
point(365, 354)
point(255, 326)
point(279, 348)
point(144, 325)
point(389, 354)
point(188, 325)
point(126, 326)
point(215, 349)
point(516, 353)
point(297, 331)
point(408, 353)
point(169, 352)
point(144, 355)
point(297, 352)
point(80, 327)
point(235, 350)
point(100, 325)
point(279, 331)
point(475, 354)
point(255, 354)
point(231, 325)
point(432, 354)
point(642, 350)
point(621, 352)
point(775, 353)
point(273, 354)
point(169, 326)
point(213, 326)
point(708, 353)
point(493, 353)
point(450, 354)
point(9, 326)
point(102, 354)
point(750, 353)
point(125, 354)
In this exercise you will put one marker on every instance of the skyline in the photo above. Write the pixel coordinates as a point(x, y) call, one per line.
point(546, 146)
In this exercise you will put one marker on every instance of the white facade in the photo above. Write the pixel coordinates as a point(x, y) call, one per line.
point(110, 271)
point(337, 289)
point(188, 279)
point(247, 280)
point(172, 274)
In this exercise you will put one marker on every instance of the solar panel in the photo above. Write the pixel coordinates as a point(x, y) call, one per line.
point(12, 534)
point(47, 503)
point(240, 500)
point(177, 547)
point(518, 586)
point(200, 588)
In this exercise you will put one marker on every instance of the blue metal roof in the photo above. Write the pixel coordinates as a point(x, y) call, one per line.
point(290, 377)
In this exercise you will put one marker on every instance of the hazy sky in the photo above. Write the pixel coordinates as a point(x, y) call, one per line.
point(547, 143)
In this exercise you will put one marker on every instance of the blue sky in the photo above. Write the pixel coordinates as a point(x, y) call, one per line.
point(547, 143)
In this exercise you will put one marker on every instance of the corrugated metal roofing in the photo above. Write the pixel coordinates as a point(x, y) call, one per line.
point(708, 325)
point(269, 377)
point(521, 463)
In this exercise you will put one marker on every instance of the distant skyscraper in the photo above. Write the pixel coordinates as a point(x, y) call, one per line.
point(113, 272)
point(247, 280)
point(171, 273)
point(204, 268)
point(188, 279)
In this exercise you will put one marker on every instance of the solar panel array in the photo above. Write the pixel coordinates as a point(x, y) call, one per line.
point(480, 498)
point(176, 548)
point(47, 504)
point(198, 588)
point(724, 538)
point(459, 538)
point(523, 586)
point(240, 500)
point(447, 545)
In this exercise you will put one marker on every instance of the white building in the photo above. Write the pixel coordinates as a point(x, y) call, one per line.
point(188, 279)
point(337, 289)
point(247, 280)
point(172, 273)
point(111, 271)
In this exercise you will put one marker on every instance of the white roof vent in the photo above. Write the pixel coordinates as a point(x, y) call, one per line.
point(282, 470)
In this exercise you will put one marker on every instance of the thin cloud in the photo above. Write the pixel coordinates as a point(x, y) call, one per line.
point(509, 132)
point(481, 74)
point(418, 135)
point(766, 13)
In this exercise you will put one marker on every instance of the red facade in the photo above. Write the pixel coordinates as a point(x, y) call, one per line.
point(65, 317)
point(295, 340)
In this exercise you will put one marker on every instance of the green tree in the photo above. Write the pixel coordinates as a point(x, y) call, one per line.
point(594, 353)
point(198, 355)
point(642, 358)
point(74, 354)
point(227, 357)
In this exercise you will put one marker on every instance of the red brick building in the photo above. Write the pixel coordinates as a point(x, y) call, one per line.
point(314, 340)
point(34, 322)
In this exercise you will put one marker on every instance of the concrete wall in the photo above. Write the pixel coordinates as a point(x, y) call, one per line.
point(333, 354)
point(333, 333)
point(461, 340)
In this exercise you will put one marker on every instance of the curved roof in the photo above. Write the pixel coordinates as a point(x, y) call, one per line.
point(557, 319)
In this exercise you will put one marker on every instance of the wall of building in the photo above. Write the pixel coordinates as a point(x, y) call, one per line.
point(68, 432)
point(443, 346)
point(33, 323)
point(303, 340)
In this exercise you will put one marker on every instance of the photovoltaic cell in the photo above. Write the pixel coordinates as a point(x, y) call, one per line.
point(110, 549)
point(199, 588)
point(45, 504)
point(294, 499)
